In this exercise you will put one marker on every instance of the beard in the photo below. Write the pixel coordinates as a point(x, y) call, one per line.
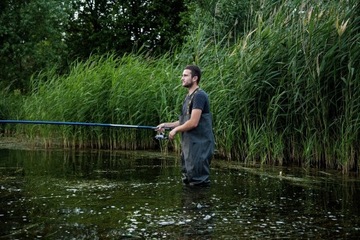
point(188, 85)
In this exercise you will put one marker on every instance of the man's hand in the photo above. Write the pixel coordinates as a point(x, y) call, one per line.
point(172, 134)
point(160, 128)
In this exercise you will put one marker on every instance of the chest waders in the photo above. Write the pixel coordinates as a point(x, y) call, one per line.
point(197, 148)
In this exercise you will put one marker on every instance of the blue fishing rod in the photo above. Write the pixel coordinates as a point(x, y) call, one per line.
point(158, 136)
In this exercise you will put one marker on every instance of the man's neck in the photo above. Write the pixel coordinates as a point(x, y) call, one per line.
point(193, 88)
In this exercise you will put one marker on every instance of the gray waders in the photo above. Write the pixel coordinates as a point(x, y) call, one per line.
point(197, 148)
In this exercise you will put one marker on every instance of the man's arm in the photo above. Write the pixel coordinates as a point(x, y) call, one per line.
point(193, 122)
point(162, 126)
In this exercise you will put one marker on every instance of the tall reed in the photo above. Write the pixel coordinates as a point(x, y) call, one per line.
point(286, 91)
point(10, 105)
point(104, 89)
point(291, 87)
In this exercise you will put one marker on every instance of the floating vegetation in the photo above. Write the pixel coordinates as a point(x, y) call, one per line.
point(143, 198)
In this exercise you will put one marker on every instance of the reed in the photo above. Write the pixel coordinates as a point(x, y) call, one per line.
point(10, 105)
point(284, 92)
point(287, 90)
point(104, 89)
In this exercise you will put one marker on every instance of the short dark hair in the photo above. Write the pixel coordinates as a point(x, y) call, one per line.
point(195, 71)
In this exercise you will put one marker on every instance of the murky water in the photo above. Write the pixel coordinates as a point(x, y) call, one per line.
point(138, 195)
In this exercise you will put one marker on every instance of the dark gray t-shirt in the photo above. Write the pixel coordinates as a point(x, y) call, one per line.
point(200, 100)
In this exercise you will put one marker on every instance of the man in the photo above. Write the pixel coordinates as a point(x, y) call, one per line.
point(195, 126)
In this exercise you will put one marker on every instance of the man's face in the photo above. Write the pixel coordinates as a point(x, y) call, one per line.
point(187, 80)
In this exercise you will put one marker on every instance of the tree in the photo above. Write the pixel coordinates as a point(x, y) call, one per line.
point(30, 38)
point(39, 34)
point(122, 26)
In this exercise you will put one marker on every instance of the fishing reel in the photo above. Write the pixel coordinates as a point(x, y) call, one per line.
point(161, 136)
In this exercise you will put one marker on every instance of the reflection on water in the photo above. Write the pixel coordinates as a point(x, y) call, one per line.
point(115, 195)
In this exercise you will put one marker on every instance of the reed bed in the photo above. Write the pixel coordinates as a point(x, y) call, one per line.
point(103, 89)
point(10, 105)
point(286, 92)
point(292, 86)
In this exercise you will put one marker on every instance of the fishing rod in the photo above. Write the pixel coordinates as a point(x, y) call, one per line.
point(78, 124)
point(158, 136)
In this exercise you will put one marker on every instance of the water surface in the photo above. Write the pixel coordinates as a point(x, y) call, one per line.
point(138, 195)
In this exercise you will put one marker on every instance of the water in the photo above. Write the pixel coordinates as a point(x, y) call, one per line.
point(138, 195)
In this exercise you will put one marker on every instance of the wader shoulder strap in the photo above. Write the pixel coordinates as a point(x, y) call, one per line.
point(190, 101)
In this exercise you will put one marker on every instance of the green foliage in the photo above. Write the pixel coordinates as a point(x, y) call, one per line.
point(224, 20)
point(30, 39)
point(285, 91)
point(292, 79)
point(10, 103)
point(40, 34)
point(104, 89)
point(101, 26)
